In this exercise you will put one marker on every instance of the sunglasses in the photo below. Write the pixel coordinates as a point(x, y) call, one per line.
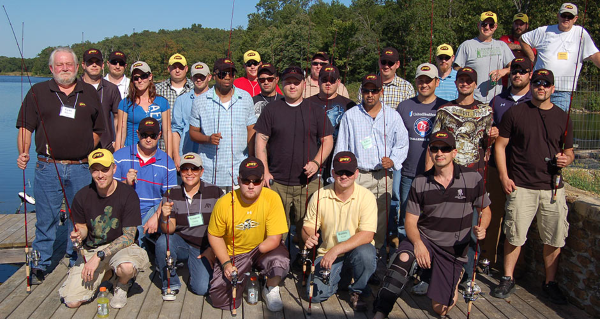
point(146, 135)
point(372, 91)
point(222, 74)
point(247, 181)
point(443, 57)
point(567, 16)
point(387, 63)
point(344, 173)
point(190, 168)
point(518, 71)
point(252, 63)
point(95, 61)
point(115, 62)
point(543, 83)
point(488, 24)
point(269, 79)
point(328, 80)
point(444, 149)
point(319, 63)
point(143, 76)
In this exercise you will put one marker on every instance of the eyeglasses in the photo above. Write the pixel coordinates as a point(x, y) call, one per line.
point(344, 173)
point(269, 79)
point(252, 63)
point(444, 149)
point(387, 63)
point(115, 62)
point(319, 63)
point(194, 169)
point(327, 79)
point(518, 71)
point(146, 135)
point(372, 91)
point(222, 74)
point(567, 16)
point(488, 24)
point(247, 181)
point(143, 76)
point(543, 83)
point(443, 57)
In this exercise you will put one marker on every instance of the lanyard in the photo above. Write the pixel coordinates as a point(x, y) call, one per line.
point(187, 205)
point(61, 102)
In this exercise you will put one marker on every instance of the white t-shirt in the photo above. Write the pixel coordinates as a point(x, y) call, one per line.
point(557, 51)
point(123, 86)
point(178, 90)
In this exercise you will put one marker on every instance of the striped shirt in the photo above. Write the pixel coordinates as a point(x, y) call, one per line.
point(394, 92)
point(446, 214)
point(447, 89)
point(167, 91)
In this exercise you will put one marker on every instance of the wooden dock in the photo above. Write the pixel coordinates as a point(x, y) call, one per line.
point(12, 236)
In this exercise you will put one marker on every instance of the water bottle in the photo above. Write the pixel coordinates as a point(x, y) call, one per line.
point(252, 290)
point(102, 303)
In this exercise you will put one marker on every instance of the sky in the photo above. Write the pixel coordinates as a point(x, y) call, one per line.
point(60, 22)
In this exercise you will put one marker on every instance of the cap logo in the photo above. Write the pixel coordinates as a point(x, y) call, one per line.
point(425, 68)
point(444, 48)
point(266, 65)
point(189, 157)
point(137, 64)
point(489, 14)
point(328, 69)
point(467, 70)
point(199, 66)
point(97, 155)
point(371, 77)
point(320, 52)
point(519, 60)
point(177, 57)
point(251, 54)
point(388, 52)
point(118, 53)
point(150, 123)
point(569, 6)
point(92, 51)
point(345, 159)
point(441, 135)
point(543, 72)
point(227, 61)
point(251, 164)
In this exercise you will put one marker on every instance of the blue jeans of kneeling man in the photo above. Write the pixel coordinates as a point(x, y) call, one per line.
point(200, 269)
point(361, 261)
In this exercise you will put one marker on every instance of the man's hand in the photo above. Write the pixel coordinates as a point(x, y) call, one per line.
point(22, 160)
point(494, 132)
point(562, 160)
point(387, 162)
point(215, 138)
point(508, 185)
point(228, 270)
point(76, 236)
point(167, 208)
point(311, 169)
point(479, 232)
point(266, 180)
point(312, 241)
point(131, 176)
point(209, 255)
point(422, 255)
point(87, 274)
point(329, 258)
point(151, 226)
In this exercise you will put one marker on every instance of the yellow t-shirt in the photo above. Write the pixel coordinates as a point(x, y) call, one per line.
point(253, 223)
point(358, 213)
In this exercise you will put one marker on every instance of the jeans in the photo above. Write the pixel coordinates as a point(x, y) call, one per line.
point(362, 263)
point(405, 184)
point(200, 269)
point(145, 217)
point(48, 196)
point(561, 99)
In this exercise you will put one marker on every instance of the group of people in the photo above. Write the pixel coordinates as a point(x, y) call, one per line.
point(233, 177)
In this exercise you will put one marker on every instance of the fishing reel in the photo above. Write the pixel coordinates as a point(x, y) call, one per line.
point(485, 266)
point(171, 263)
point(325, 274)
point(33, 257)
point(63, 217)
point(77, 245)
point(469, 294)
point(305, 260)
point(234, 278)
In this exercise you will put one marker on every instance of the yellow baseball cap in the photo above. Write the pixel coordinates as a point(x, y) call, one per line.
point(521, 16)
point(177, 58)
point(487, 15)
point(101, 156)
point(251, 55)
point(444, 49)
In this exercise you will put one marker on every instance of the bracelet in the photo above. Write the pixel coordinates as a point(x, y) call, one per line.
point(318, 165)
point(225, 263)
point(164, 221)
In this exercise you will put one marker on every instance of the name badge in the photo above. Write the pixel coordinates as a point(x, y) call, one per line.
point(366, 142)
point(195, 220)
point(343, 235)
point(563, 55)
point(67, 111)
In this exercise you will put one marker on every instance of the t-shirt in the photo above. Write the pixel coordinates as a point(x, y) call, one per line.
point(105, 217)
point(557, 51)
point(294, 135)
point(135, 113)
point(418, 119)
point(534, 135)
point(470, 125)
point(484, 57)
point(340, 220)
point(252, 87)
point(334, 108)
point(253, 223)
point(260, 101)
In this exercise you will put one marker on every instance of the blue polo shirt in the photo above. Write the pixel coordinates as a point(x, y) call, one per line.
point(447, 89)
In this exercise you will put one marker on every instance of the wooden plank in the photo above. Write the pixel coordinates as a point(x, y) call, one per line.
point(545, 307)
point(409, 306)
point(12, 256)
point(332, 308)
point(137, 294)
point(153, 301)
point(20, 241)
point(525, 308)
point(344, 300)
point(253, 311)
point(292, 304)
point(502, 305)
point(63, 312)
point(16, 281)
point(51, 304)
point(192, 306)
point(14, 225)
point(317, 310)
point(210, 312)
point(7, 221)
point(174, 307)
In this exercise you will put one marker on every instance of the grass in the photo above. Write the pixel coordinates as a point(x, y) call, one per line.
point(582, 178)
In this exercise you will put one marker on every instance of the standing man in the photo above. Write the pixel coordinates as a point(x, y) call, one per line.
point(106, 214)
point(558, 48)
point(108, 93)
point(539, 150)
point(319, 60)
point(259, 224)
point(223, 118)
point(177, 83)
point(249, 83)
point(347, 218)
point(438, 225)
point(65, 107)
point(374, 132)
point(487, 56)
point(293, 140)
point(182, 110)
point(444, 58)
point(268, 79)
point(117, 63)
point(519, 27)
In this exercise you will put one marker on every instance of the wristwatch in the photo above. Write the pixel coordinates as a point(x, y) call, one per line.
point(100, 255)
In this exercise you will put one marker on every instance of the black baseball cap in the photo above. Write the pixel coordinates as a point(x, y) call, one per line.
point(223, 64)
point(331, 71)
point(345, 161)
point(92, 53)
point(118, 55)
point(292, 72)
point(372, 78)
point(321, 55)
point(252, 168)
point(543, 74)
point(149, 125)
point(522, 63)
point(389, 54)
point(470, 72)
point(266, 68)
point(443, 136)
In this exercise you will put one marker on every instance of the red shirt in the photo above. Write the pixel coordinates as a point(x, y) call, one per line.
point(251, 87)
point(518, 53)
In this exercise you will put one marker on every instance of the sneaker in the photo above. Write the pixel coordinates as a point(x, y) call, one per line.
point(420, 289)
point(357, 303)
point(504, 288)
point(119, 299)
point(170, 296)
point(553, 293)
point(36, 277)
point(272, 298)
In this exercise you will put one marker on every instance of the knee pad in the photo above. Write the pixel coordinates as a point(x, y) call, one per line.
point(398, 272)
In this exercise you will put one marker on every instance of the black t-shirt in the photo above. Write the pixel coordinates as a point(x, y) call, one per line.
point(294, 134)
point(105, 217)
point(534, 135)
point(260, 101)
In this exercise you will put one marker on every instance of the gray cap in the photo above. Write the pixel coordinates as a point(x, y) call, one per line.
point(142, 66)
point(569, 8)
point(200, 68)
point(191, 158)
point(427, 69)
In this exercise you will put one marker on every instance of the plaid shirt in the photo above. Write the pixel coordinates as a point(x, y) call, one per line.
point(394, 92)
point(165, 89)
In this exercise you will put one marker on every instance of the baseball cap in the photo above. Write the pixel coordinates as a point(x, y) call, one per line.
point(427, 69)
point(331, 71)
point(118, 55)
point(443, 136)
point(142, 66)
point(521, 63)
point(389, 54)
point(321, 55)
point(444, 49)
point(251, 167)
point(372, 78)
point(149, 125)
point(191, 158)
point(92, 53)
point(223, 64)
point(200, 68)
point(345, 161)
point(543, 74)
point(469, 72)
point(487, 15)
point(177, 58)
point(251, 55)
point(569, 8)
point(101, 156)
point(521, 16)
point(292, 72)
point(266, 68)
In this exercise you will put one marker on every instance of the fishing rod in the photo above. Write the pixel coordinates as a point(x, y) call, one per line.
point(76, 244)
point(431, 35)
point(170, 261)
point(234, 274)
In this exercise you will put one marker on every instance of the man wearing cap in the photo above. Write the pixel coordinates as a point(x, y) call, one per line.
point(347, 245)
point(177, 83)
point(444, 58)
point(294, 139)
point(106, 215)
point(108, 94)
point(539, 150)
point(182, 110)
point(223, 118)
point(268, 79)
point(375, 134)
point(259, 221)
point(117, 63)
point(150, 171)
point(319, 60)
point(520, 25)
point(562, 48)
point(438, 225)
point(487, 56)
point(249, 82)
point(187, 209)
point(68, 108)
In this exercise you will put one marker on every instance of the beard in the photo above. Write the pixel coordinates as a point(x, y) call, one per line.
point(65, 80)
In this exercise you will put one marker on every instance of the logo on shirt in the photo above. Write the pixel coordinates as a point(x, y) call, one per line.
point(460, 194)
point(81, 104)
point(247, 224)
point(423, 126)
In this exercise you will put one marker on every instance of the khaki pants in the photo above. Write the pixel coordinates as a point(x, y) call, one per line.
point(294, 202)
point(375, 182)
